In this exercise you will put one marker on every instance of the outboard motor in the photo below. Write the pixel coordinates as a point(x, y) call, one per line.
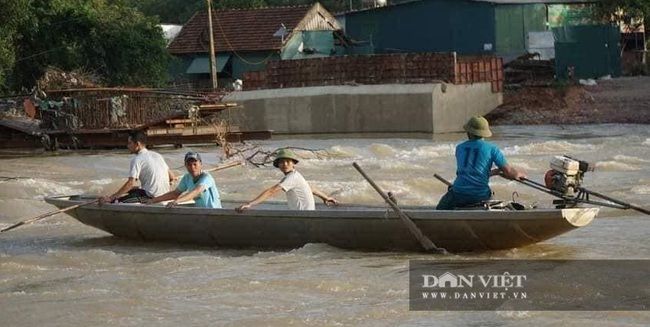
point(566, 175)
point(564, 181)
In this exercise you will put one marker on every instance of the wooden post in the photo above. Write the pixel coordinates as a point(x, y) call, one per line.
point(213, 59)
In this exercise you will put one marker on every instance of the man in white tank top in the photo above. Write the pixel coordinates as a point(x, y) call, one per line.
point(148, 167)
point(300, 196)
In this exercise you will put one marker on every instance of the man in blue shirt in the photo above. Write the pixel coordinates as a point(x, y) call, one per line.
point(196, 185)
point(474, 161)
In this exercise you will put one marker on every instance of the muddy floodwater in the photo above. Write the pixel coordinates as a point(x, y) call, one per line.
point(59, 272)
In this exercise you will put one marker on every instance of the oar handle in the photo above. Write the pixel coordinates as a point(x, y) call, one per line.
point(426, 243)
point(442, 179)
point(222, 167)
point(226, 166)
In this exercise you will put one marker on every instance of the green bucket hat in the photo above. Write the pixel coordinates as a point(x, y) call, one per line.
point(284, 154)
point(478, 126)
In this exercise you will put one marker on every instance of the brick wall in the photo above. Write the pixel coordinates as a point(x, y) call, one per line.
point(378, 69)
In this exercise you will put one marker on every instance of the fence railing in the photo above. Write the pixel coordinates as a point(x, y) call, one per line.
point(114, 108)
point(378, 69)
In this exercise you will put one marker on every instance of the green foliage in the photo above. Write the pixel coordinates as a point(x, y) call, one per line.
point(13, 14)
point(117, 40)
point(180, 11)
point(634, 13)
point(623, 10)
point(231, 4)
point(169, 11)
point(107, 37)
point(631, 8)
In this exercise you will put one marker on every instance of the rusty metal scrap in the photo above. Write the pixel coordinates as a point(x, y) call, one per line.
point(119, 108)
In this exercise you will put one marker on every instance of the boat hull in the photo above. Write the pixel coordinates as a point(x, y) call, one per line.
point(349, 227)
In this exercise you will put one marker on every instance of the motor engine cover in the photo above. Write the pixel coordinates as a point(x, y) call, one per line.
point(566, 175)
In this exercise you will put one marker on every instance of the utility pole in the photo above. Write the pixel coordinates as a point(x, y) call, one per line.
point(213, 59)
point(644, 58)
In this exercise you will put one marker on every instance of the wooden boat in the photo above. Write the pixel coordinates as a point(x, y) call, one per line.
point(272, 225)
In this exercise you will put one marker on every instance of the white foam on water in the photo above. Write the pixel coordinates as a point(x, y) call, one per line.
point(526, 165)
point(427, 152)
point(316, 250)
point(359, 192)
point(342, 151)
point(382, 150)
point(43, 187)
point(103, 181)
point(640, 189)
point(418, 191)
point(615, 166)
point(550, 147)
point(305, 154)
point(630, 159)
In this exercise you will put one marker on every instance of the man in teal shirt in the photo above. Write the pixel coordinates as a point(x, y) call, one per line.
point(474, 161)
point(195, 185)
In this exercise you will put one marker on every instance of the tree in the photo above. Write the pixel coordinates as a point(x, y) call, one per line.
point(106, 37)
point(14, 13)
point(626, 11)
point(180, 11)
point(239, 4)
point(169, 11)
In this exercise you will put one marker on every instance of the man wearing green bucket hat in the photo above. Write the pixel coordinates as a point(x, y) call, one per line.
point(474, 161)
point(299, 193)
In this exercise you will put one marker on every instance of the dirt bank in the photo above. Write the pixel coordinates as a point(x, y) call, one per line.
point(618, 100)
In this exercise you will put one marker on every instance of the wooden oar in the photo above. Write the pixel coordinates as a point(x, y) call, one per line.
point(222, 167)
point(412, 227)
point(442, 179)
point(45, 215)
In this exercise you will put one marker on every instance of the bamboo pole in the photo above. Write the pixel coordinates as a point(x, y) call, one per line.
point(45, 215)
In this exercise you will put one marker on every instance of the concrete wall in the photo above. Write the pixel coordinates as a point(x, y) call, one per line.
point(452, 108)
point(399, 108)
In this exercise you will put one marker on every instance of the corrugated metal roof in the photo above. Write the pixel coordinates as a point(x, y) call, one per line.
point(201, 64)
point(249, 29)
point(504, 2)
point(535, 1)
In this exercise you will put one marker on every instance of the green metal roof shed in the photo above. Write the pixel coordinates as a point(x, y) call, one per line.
point(468, 27)
point(463, 26)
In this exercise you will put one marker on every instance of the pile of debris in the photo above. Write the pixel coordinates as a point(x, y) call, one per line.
point(529, 70)
point(57, 79)
point(10, 107)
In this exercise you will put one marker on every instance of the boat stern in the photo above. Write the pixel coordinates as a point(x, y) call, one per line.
point(580, 217)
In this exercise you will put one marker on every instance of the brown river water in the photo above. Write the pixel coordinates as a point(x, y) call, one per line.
point(58, 272)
